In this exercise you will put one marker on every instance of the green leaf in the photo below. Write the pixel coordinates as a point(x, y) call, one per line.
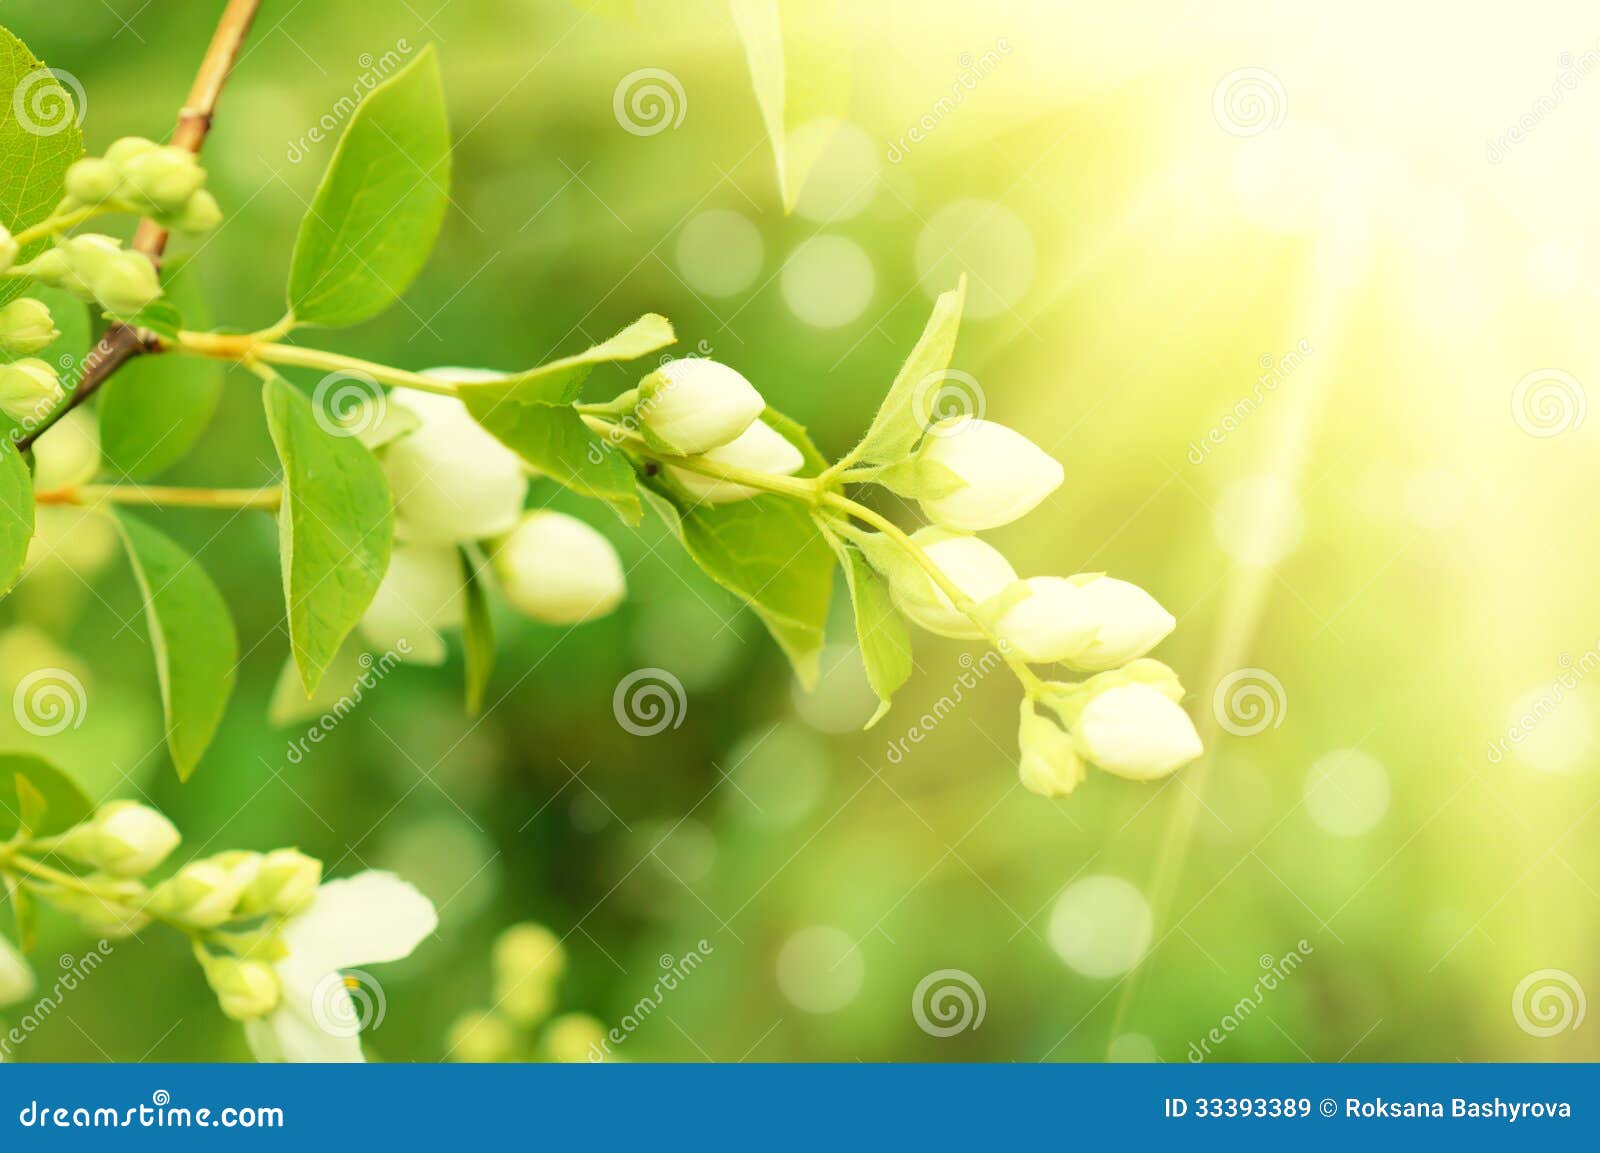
point(155, 408)
point(335, 528)
point(554, 440)
point(193, 638)
point(164, 318)
point(16, 514)
point(64, 803)
point(900, 419)
point(801, 77)
point(31, 806)
point(24, 915)
point(379, 207)
point(39, 140)
point(478, 634)
point(561, 381)
point(880, 630)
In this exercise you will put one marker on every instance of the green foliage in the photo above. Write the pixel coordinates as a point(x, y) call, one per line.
point(16, 514)
point(880, 630)
point(54, 801)
point(899, 423)
point(335, 528)
point(379, 207)
point(555, 440)
point(37, 156)
point(193, 638)
point(477, 633)
point(800, 77)
point(561, 381)
point(155, 408)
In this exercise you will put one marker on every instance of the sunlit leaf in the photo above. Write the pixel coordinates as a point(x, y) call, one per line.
point(335, 528)
point(16, 513)
point(39, 140)
point(64, 802)
point(901, 417)
point(378, 210)
point(560, 381)
point(555, 440)
point(193, 638)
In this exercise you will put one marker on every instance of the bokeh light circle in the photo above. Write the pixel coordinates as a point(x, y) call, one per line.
point(844, 178)
point(1258, 520)
point(820, 969)
point(1101, 926)
point(988, 242)
point(720, 252)
point(828, 281)
point(1346, 793)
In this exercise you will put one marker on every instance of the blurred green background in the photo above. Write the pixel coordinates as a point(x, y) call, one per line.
point(1389, 530)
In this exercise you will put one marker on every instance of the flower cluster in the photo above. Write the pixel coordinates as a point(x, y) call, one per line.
point(455, 485)
point(528, 964)
point(265, 929)
point(148, 179)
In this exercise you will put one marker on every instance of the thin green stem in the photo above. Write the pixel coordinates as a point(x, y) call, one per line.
point(251, 347)
point(799, 487)
point(266, 499)
point(59, 222)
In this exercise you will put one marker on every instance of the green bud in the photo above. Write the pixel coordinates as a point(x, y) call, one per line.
point(242, 866)
point(124, 838)
point(8, 248)
point(1050, 766)
point(246, 990)
point(122, 281)
point(527, 1002)
point(284, 882)
point(28, 389)
point(163, 178)
point(528, 950)
point(477, 1038)
point(26, 327)
point(111, 910)
point(202, 893)
point(200, 213)
point(54, 267)
point(124, 150)
point(93, 180)
point(574, 1038)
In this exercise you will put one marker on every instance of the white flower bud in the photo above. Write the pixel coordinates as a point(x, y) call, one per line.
point(8, 248)
point(1135, 731)
point(758, 449)
point(200, 213)
point(481, 1038)
point(245, 990)
point(556, 569)
point(122, 281)
point(1050, 766)
point(26, 327)
point(1129, 622)
point(421, 593)
point(16, 975)
point(202, 893)
point(452, 481)
point(127, 148)
point(1006, 474)
point(974, 567)
point(693, 405)
point(28, 389)
point(93, 180)
point(1054, 622)
point(124, 838)
point(162, 178)
point(284, 883)
point(68, 452)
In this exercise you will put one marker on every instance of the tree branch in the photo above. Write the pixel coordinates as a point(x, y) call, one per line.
point(121, 342)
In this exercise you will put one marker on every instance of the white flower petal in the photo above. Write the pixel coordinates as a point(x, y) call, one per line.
point(1007, 474)
point(420, 594)
point(16, 975)
point(974, 567)
point(361, 920)
point(452, 481)
point(291, 1032)
point(757, 449)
